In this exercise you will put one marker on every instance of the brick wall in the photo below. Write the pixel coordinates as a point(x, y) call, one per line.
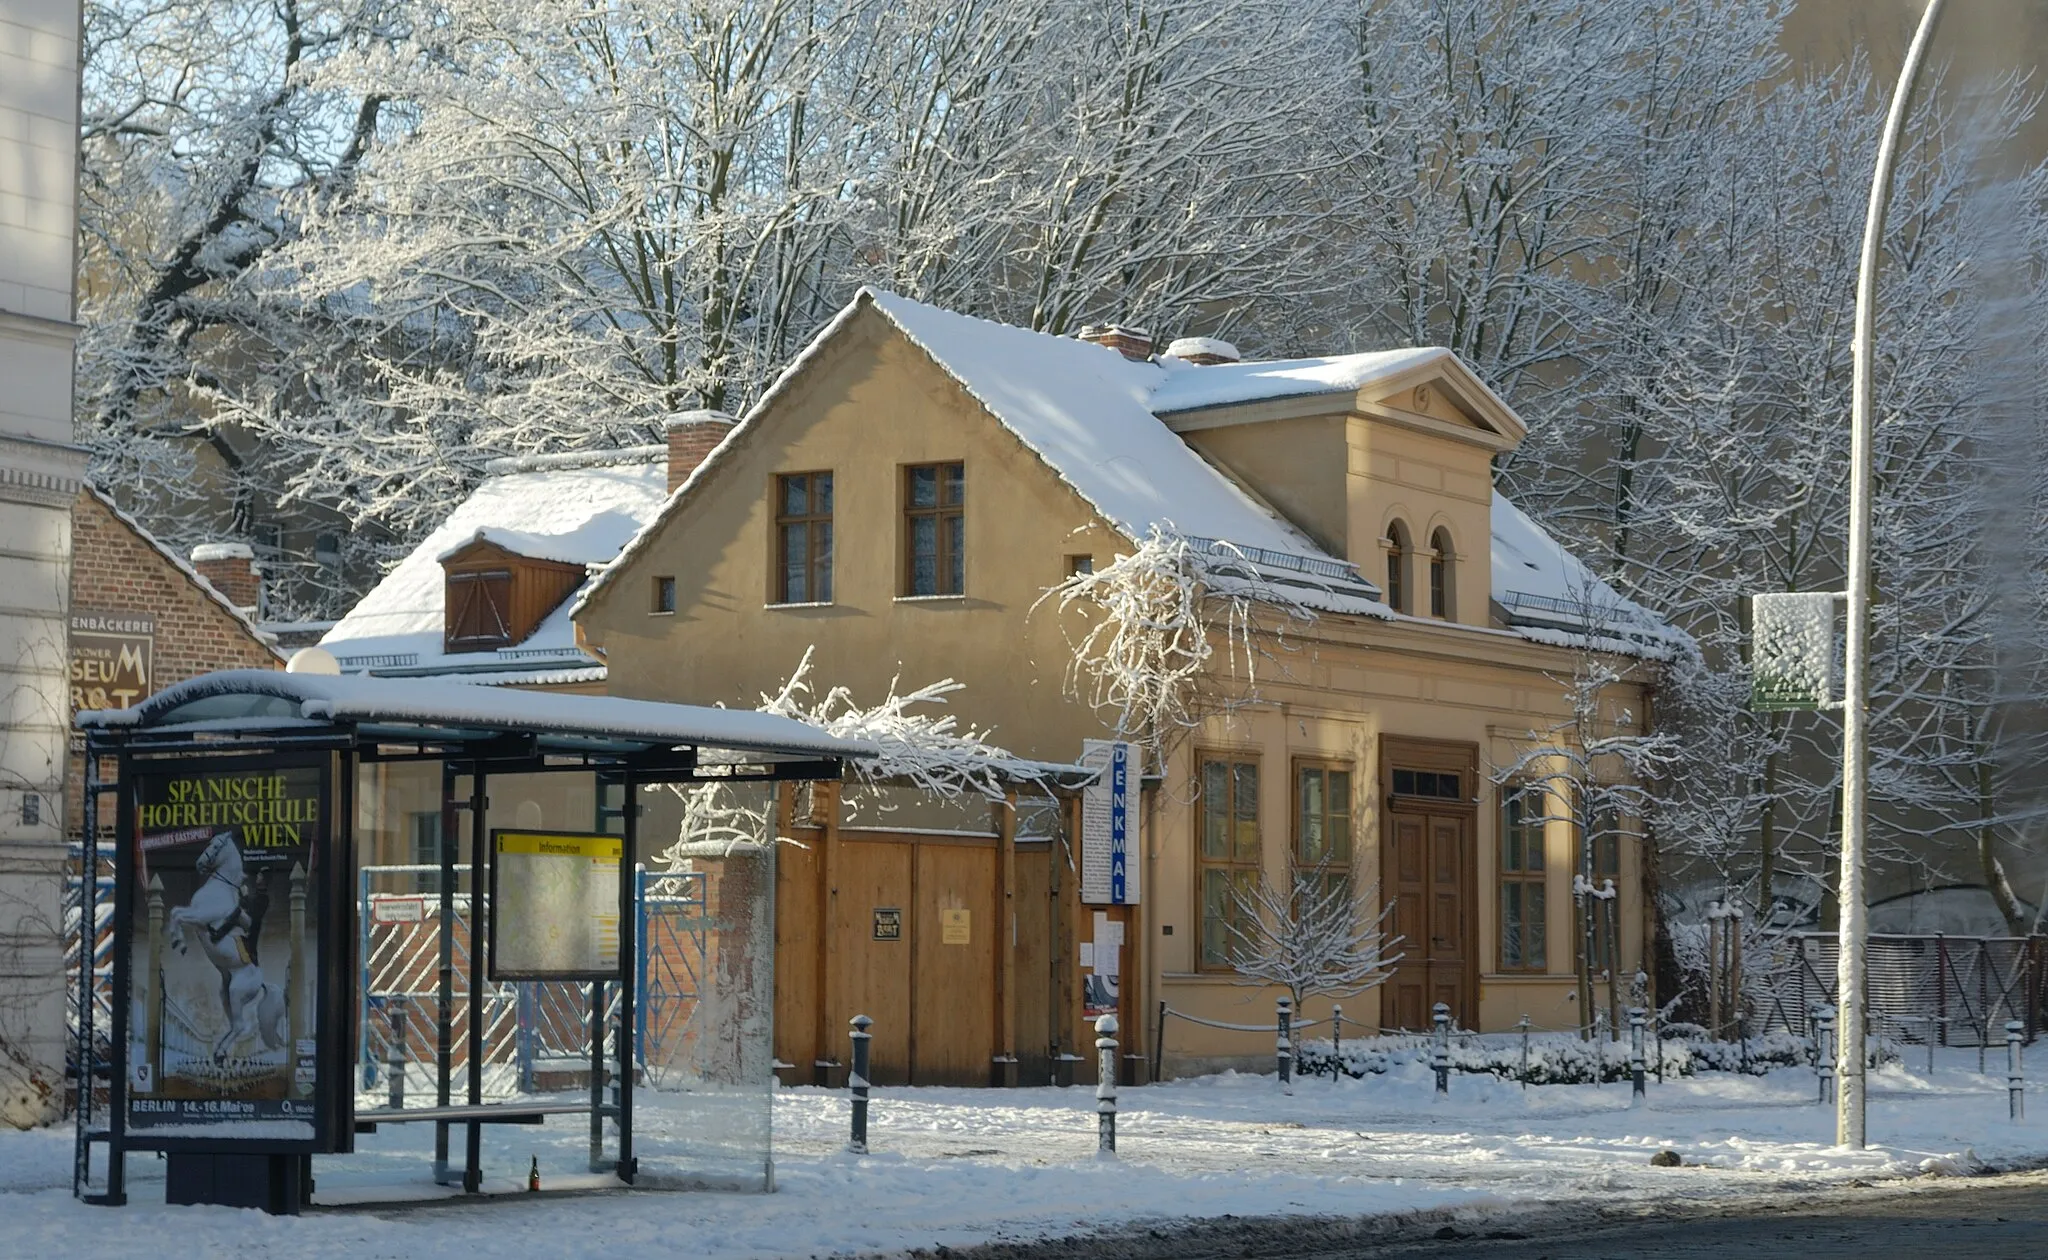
point(115, 567)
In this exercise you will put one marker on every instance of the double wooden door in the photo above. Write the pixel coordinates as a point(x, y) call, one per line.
point(1429, 869)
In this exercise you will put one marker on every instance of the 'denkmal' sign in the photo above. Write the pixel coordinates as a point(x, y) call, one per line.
point(1110, 841)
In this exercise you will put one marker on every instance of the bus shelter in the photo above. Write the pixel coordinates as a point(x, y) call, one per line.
point(230, 1024)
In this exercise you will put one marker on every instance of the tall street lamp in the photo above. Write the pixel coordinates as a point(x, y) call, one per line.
point(1849, 979)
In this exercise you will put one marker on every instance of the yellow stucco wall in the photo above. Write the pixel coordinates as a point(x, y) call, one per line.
point(868, 403)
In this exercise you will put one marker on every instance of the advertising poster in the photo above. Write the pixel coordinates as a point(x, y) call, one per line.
point(226, 952)
point(554, 906)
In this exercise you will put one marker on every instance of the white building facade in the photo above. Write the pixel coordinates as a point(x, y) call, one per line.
point(41, 471)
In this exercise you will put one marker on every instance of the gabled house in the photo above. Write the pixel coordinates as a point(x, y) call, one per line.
point(904, 495)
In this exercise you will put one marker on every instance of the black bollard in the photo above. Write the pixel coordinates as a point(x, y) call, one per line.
point(857, 1082)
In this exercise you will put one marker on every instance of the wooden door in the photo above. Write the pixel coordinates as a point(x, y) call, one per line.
point(1428, 863)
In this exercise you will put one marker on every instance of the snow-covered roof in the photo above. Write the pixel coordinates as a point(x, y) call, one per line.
point(1186, 387)
point(190, 574)
point(243, 697)
point(1550, 597)
point(577, 510)
point(1088, 412)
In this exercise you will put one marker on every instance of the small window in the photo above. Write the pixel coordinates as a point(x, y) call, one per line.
point(803, 538)
point(327, 550)
point(267, 538)
point(935, 529)
point(1522, 922)
point(1229, 858)
point(31, 810)
point(1443, 785)
point(479, 606)
point(1397, 566)
point(664, 595)
point(1440, 574)
point(1080, 565)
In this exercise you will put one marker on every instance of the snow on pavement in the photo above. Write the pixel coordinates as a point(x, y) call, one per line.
point(962, 1166)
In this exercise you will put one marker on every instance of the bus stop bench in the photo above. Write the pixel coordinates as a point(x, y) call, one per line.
point(487, 1113)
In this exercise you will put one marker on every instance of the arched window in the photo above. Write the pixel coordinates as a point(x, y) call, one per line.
point(1397, 566)
point(1440, 573)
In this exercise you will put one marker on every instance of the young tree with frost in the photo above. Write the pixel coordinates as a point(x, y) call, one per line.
point(1313, 936)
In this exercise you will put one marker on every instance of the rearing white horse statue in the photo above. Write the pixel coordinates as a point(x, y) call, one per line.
point(226, 931)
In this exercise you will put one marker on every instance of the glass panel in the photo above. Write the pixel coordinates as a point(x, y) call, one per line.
point(795, 496)
point(1245, 779)
point(821, 494)
point(1404, 783)
point(1511, 844)
point(1216, 811)
point(822, 531)
point(1215, 917)
point(924, 487)
point(1532, 845)
point(924, 556)
point(1533, 927)
point(1340, 839)
point(1308, 822)
point(956, 542)
point(795, 548)
point(955, 488)
point(1511, 926)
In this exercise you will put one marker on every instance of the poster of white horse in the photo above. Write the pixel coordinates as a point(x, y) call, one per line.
point(223, 922)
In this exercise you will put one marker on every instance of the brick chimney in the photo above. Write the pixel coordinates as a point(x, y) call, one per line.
point(691, 435)
point(1205, 351)
point(232, 569)
point(1132, 343)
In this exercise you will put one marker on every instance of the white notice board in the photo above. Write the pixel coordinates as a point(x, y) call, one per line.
point(1110, 839)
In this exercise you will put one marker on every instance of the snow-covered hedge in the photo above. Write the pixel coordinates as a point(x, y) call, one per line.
point(1563, 1059)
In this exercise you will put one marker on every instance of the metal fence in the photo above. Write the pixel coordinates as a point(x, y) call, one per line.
point(1952, 990)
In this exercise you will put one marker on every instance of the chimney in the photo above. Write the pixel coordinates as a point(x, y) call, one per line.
point(1203, 350)
point(1132, 343)
point(691, 435)
point(232, 569)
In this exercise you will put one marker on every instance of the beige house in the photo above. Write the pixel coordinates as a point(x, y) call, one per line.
point(904, 496)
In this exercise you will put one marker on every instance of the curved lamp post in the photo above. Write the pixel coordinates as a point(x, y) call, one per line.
point(1849, 977)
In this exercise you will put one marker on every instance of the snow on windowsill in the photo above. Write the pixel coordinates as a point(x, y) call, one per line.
point(812, 603)
point(930, 599)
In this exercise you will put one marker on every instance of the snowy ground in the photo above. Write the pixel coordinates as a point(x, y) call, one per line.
point(962, 1166)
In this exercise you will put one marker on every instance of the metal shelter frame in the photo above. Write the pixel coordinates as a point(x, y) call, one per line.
point(256, 717)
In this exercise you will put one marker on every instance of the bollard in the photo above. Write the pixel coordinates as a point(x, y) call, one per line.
point(1336, 1042)
point(1440, 1058)
point(394, 1048)
point(1524, 1026)
point(1283, 1050)
point(1824, 1051)
point(1635, 1054)
point(2015, 1082)
point(857, 1083)
point(1105, 1086)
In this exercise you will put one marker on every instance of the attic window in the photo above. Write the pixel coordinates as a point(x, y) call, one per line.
point(479, 610)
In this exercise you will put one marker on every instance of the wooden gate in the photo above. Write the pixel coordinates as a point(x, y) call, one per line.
point(944, 939)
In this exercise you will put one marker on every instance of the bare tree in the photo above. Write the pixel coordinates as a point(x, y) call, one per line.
point(1312, 936)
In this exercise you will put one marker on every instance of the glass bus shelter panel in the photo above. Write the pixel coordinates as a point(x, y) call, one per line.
point(705, 977)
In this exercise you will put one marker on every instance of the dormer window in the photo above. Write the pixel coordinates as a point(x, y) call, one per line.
point(497, 593)
point(1398, 549)
point(1440, 574)
point(479, 610)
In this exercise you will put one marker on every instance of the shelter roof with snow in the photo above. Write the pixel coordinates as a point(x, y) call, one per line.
point(1175, 444)
point(485, 597)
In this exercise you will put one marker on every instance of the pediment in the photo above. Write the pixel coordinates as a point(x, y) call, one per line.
point(1453, 402)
